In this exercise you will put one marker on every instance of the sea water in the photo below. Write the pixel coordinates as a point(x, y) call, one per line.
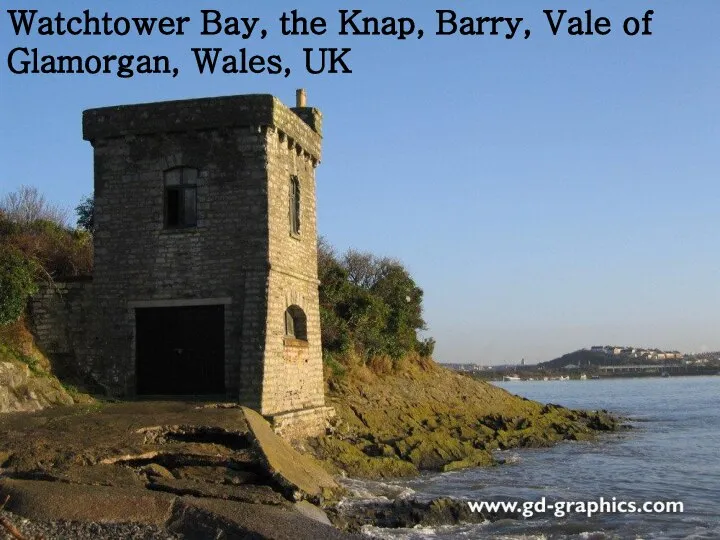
point(672, 453)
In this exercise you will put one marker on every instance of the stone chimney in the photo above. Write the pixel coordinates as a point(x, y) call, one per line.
point(310, 115)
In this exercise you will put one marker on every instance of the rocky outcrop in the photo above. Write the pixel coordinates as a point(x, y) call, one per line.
point(23, 390)
point(408, 513)
point(27, 380)
point(429, 418)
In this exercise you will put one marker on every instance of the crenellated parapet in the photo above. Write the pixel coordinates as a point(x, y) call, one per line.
point(301, 125)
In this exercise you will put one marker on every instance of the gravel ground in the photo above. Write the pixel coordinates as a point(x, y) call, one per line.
point(70, 530)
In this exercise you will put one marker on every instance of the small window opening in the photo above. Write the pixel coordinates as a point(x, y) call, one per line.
point(181, 197)
point(294, 205)
point(295, 323)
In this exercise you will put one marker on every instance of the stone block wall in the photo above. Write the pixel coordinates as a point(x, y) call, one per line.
point(59, 315)
point(293, 372)
point(300, 424)
point(293, 376)
point(138, 261)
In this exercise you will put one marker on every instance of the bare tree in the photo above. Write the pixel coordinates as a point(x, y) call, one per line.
point(326, 256)
point(27, 204)
point(365, 269)
point(361, 268)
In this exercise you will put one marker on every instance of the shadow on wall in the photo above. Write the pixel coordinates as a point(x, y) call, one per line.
point(56, 328)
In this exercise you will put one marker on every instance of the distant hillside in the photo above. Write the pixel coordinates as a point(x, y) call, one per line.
point(584, 358)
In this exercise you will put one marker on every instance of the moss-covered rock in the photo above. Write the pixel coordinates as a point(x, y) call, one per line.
point(429, 418)
point(479, 458)
point(346, 457)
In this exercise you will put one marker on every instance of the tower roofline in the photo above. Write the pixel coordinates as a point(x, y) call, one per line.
point(301, 124)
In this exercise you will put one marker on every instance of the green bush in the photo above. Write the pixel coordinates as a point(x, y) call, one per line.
point(58, 251)
point(36, 244)
point(86, 214)
point(371, 308)
point(17, 283)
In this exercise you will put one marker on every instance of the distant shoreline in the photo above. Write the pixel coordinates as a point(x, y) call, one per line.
point(540, 377)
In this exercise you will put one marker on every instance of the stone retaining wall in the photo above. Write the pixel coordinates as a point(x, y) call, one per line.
point(60, 317)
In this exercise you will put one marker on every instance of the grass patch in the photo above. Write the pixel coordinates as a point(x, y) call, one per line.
point(9, 354)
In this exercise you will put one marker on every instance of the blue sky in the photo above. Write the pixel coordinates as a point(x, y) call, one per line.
point(547, 194)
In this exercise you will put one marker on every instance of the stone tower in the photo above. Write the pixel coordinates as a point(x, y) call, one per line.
point(205, 276)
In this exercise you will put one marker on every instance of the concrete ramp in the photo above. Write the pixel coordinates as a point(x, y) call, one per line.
point(300, 475)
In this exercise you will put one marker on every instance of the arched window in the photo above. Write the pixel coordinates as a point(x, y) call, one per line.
point(180, 197)
point(294, 205)
point(295, 323)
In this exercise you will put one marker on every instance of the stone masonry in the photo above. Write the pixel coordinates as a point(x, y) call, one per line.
point(241, 253)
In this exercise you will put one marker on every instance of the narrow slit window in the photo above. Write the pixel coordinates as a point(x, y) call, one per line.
point(181, 198)
point(294, 205)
